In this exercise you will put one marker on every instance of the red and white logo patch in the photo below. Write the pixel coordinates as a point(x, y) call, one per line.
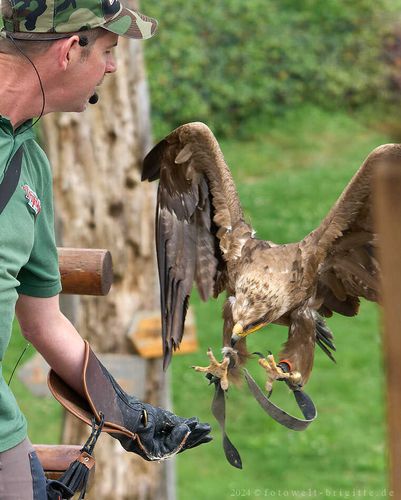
point(33, 200)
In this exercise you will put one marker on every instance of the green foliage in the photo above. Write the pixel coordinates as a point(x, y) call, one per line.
point(226, 61)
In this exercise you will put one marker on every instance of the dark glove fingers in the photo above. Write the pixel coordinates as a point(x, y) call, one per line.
point(159, 446)
point(155, 449)
point(174, 440)
point(137, 445)
point(166, 443)
point(189, 444)
point(198, 436)
point(201, 428)
point(192, 422)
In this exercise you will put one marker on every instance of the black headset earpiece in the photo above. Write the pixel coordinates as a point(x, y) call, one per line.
point(83, 41)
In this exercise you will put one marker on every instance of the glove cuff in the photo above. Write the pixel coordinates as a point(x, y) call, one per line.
point(102, 395)
point(125, 417)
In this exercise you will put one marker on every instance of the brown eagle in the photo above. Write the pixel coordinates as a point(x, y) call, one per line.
point(202, 237)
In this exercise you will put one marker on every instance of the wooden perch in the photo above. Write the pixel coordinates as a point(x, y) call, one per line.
point(388, 217)
point(85, 271)
point(55, 459)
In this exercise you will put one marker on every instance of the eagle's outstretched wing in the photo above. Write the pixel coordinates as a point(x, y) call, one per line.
point(345, 244)
point(199, 222)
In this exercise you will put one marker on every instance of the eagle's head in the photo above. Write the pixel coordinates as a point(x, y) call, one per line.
point(257, 302)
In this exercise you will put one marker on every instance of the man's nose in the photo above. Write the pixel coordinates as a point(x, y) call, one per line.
point(111, 66)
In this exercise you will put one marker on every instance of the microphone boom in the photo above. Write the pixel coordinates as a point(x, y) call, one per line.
point(93, 99)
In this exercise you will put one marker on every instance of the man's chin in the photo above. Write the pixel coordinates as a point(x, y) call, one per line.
point(71, 109)
point(74, 107)
point(80, 107)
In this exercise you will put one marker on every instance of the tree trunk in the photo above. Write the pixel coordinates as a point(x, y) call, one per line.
point(100, 203)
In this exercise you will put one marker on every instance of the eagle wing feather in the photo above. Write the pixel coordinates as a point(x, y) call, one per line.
point(344, 246)
point(197, 209)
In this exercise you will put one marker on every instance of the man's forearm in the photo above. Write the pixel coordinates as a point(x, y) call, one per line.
point(51, 333)
point(152, 433)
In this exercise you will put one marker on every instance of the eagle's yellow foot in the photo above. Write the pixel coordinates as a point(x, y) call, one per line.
point(275, 372)
point(219, 370)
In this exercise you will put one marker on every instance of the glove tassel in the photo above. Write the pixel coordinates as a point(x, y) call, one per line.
point(76, 477)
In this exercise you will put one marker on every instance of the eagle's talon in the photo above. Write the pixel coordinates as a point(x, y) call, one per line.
point(275, 372)
point(215, 371)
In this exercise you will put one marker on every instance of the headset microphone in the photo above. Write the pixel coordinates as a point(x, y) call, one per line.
point(93, 99)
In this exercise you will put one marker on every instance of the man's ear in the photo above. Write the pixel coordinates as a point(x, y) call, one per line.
point(68, 51)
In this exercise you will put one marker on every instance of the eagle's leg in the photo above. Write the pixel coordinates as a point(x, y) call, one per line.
point(276, 372)
point(297, 354)
point(218, 370)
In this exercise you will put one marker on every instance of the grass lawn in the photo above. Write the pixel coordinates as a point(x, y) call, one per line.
point(288, 176)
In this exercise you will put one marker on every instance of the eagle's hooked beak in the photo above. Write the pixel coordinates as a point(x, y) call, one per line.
point(238, 332)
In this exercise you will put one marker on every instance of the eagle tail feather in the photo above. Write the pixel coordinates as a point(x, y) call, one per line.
point(324, 338)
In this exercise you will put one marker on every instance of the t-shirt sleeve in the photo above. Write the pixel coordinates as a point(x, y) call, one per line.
point(40, 277)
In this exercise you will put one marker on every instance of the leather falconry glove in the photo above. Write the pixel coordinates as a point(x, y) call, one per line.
point(152, 433)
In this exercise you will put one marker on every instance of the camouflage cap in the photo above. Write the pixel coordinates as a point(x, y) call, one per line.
point(68, 16)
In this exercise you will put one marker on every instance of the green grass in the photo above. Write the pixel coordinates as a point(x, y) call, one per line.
point(288, 176)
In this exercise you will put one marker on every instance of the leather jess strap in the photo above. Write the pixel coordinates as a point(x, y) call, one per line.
point(219, 412)
point(304, 402)
point(11, 178)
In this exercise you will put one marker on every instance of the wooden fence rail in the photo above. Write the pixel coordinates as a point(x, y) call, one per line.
point(388, 219)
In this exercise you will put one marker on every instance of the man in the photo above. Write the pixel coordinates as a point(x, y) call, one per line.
point(53, 55)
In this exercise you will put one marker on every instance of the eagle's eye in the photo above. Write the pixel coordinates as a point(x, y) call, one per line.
point(255, 325)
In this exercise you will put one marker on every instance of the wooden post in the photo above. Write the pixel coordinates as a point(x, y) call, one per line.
point(388, 218)
point(85, 271)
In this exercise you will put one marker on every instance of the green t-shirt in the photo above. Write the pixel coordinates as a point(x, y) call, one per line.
point(28, 254)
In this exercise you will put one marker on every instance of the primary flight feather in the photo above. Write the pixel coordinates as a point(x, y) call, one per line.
point(202, 237)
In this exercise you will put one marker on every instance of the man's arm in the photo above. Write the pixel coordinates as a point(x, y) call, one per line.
point(49, 331)
point(151, 432)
